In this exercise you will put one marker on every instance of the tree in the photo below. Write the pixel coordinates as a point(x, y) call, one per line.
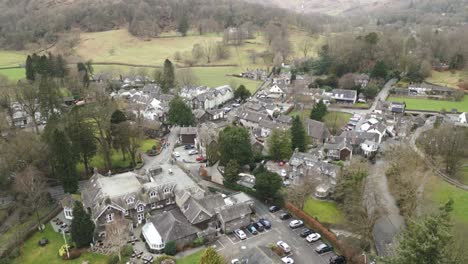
point(30, 74)
point(379, 71)
point(63, 160)
point(457, 62)
point(183, 25)
point(428, 240)
point(84, 74)
point(31, 185)
point(49, 97)
point(267, 184)
point(117, 233)
point(371, 91)
point(180, 113)
point(231, 172)
point(82, 227)
point(186, 77)
point(305, 46)
point(242, 93)
point(168, 76)
point(119, 139)
point(299, 194)
point(170, 248)
point(234, 144)
point(82, 135)
point(27, 95)
point(319, 111)
point(210, 256)
point(279, 145)
point(298, 135)
point(208, 50)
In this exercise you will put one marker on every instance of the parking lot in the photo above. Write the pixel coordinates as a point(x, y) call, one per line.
point(301, 251)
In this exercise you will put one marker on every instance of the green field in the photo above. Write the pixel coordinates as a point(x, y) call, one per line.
point(446, 78)
point(191, 259)
point(430, 104)
point(336, 119)
point(13, 74)
point(31, 253)
point(325, 211)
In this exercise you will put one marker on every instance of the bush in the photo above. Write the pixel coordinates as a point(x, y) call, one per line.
point(170, 248)
point(113, 259)
point(63, 249)
point(199, 241)
point(74, 254)
point(127, 250)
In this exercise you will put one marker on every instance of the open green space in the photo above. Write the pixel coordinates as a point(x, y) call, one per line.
point(430, 104)
point(10, 58)
point(326, 212)
point(217, 76)
point(336, 119)
point(446, 78)
point(32, 253)
point(14, 74)
point(464, 173)
point(191, 259)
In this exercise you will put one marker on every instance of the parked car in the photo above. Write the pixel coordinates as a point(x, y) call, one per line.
point(286, 183)
point(193, 152)
point(285, 247)
point(235, 105)
point(240, 234)
point(338, 260)
point(287, 260)
point(274, 208)
point(283, 173)
point(189, 146)
point(227, 110)
point(265, 223)
point(252, 229)
point(305, 232)
point(259, 226)
point(200, 159)
point(296, 223)
point(323, 248)
point(176, 154)
point(313, 237)
point(285, 216)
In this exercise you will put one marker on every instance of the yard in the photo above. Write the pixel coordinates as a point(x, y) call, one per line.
point(446, 78)
point(191, 259)
point(430, 104)
point(336, 120)
point(326, 212)
point(31, 253)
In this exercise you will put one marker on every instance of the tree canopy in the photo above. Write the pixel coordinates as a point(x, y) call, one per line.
point(234, 144)
point(279, 145)
point(242, 93)
point(319, 111)
point(267, 184)
point(180, 113)
point(210, 256)
point(298, 135)
point(168, 76)
point(63, 160)
point(82, 227)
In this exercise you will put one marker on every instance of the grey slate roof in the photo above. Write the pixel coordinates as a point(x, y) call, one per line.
point(316, 129)
point(253, 117)
point(284, 119)
point(200, 210)
point(344, 94)
point(231, 212)
point(172, 225)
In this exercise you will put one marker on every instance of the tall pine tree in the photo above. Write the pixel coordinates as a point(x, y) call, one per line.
point(319, 111)
point(298, 135)
point(64, 161)
point(183, 25)
point(29, 68)
point(81, 228)
point(168, 76)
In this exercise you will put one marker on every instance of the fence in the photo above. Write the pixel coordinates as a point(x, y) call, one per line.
point(27, 231)
point(351, 255)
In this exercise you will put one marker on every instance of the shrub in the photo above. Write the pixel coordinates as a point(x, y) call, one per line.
point(63, 249)
point(127, 250)
point(170, 248)
point(73, 254)
point(164, 259)
point(199, 241)
point(113, 259)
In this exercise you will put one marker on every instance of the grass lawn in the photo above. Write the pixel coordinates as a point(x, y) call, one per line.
point(10, 58)
point(336, 119)
point(325, 211)
point(191, 259)
point(446, 78)
point(147, 144)
point(31, 253)
point(431, 105)
point(13, 74)
point(464, 174)
point(216, 76)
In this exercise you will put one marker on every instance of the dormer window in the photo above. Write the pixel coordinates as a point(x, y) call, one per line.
point(140, 208)
point(167, 190)
point(130, 200)
point(152, 194)
point(110, 217)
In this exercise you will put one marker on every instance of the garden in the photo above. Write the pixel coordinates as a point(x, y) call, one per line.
point(431, 104)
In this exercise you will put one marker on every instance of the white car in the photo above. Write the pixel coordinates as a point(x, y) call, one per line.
point(240, 234)
point(313, 237)
point(287, 260)
point(283, 173)
point(193, 152)
point(296, 223)
point(176, 154)
point(235, 261)
point(285, 247)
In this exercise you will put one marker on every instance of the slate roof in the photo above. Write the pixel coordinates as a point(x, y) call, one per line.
point(356, 138)
point(201, 209)
point(231, 212)
point(284, 119)
point(316, 129)
point(344, 94)
point(272, 125)
point(253, 117)
point(172, 225)
point(188, 130)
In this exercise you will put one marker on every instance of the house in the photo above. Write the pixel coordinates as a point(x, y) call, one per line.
point(246, 180)
point(339, 151)
point(215, 114)
point(284, 119)
point(213, 98)
point(266, 127)
point(430, 89)
point(128, 195)
point(463, 118)
point(187, 135)
point(251, 119)
point(317, 131)
point(276, 89)
point(356, 138)
point(379, 129)
point(369, 148)
point(344, 96)
point(199, 209)
point(239, 197)
point(232, 217)
point(67, 204)
point(200, 115)
point(362, 80)
point(168, 226)
point(398, 108)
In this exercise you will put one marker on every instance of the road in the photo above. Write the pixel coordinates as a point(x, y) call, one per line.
point(166, 153)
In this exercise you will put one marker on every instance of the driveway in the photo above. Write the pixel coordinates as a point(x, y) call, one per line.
point(301, 251)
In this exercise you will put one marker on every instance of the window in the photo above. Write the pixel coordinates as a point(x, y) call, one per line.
point(110, 217)
point(152, 194)
point(68, 212)
point(130, 200)
point(153, 206)
point(126, 212)
point(141, 208)
point(167, 190)
point(186, 206)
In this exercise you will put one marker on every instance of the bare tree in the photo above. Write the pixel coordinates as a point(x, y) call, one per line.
point(299, 194)
point(117, 233)
point(31, 185)
point(305, 46)
point(186, 77)
point(208, 50)
point(27, 95)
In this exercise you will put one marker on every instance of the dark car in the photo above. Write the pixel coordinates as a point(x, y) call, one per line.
point(252, 229)
point(266, 224)
point(259, 226)
point(305, 232)
point(338, 260)
point(285, 216)
point(189, 146)
point(323, 248)
point(274, 208)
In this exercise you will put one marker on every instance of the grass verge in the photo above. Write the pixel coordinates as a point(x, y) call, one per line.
point(191, 259)
point(326, 212)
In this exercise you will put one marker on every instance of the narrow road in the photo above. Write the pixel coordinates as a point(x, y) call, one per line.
point(166, 152)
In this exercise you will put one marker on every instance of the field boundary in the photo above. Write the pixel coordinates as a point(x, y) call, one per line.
point(159, 67)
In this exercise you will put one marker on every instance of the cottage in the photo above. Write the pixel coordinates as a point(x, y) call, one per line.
point(213, 98)
point(246, 180)
point(67, 204)
point(215, 114)
point(369, 148)
point(168, 226)
point(317, 131)
point(379, 129)
point(234, 216)
point(338, 151)
point(199, 211)
point(362, 80)
point(188, 135)
point(398, 108)
point(344, 96)
point(251, 119)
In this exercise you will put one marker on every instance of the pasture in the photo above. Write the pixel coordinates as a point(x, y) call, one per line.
point(446, 78)
point(431, 105)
